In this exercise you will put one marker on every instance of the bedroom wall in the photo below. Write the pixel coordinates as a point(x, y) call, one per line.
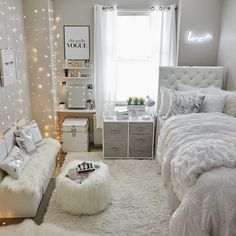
point(202, 17)
point(80, 12)
point(227, 46)
point(39, 28)
point(14, 98)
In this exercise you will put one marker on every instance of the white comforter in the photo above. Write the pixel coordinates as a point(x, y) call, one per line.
point(197, 154)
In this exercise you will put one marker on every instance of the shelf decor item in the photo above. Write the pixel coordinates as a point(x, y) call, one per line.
point(8, 66)
point(76, 42)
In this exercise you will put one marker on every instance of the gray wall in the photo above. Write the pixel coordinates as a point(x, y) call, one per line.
point(14, 99)
point(227, 47)
point(200, 16)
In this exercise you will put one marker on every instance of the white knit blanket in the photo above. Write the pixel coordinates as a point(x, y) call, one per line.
point(197, 154)
point(200, 156)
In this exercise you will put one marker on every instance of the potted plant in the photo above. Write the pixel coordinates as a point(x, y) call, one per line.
point(136, 104)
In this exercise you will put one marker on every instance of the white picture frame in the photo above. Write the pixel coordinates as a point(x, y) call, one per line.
point(76, 42)
point(8, 66)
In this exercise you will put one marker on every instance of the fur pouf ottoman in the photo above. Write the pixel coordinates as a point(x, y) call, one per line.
point(90, 197)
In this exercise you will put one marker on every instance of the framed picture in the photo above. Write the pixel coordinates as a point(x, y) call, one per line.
point(76, 42)
point(8, 66)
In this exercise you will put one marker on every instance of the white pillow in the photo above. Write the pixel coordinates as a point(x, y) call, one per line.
point(33, 129)
point(230, 105)
point(15, 162)
point(213, 103)
point(26, 142)
point(10, 139)
point(166, 97)
point(3, 155)
point(181, 104)
point(3, 149)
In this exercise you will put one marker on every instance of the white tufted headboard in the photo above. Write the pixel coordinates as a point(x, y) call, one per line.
point(197, 76)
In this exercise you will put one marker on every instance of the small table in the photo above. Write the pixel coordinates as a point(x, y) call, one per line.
point(90, 197)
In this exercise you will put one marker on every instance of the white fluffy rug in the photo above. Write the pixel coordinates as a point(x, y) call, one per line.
point(29, 228)
point(138, 207)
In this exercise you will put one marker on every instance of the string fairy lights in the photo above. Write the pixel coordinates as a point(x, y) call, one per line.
point(14, 103)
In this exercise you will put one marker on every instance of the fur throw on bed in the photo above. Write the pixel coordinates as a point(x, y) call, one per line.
point(29, 228)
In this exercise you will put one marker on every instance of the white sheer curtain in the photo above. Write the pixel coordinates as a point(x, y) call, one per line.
point(163, 34)
point(163, 27)
point(105, 24)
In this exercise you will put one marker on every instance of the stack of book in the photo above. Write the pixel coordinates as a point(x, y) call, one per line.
point(123, 115)
point(81, 172)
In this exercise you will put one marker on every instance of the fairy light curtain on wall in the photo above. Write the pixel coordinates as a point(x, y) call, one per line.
point(42, 63)
point(14, 98)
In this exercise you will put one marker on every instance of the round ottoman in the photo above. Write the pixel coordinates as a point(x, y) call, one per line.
point(92, 196)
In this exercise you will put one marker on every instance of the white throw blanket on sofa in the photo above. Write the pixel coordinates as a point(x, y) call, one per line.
point(195, 152)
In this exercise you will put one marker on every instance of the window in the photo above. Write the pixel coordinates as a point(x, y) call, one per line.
point(134, 77)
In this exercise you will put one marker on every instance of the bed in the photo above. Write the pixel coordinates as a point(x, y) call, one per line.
point(196, 155)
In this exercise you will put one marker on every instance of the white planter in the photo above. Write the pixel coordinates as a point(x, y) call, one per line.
point(140, 108)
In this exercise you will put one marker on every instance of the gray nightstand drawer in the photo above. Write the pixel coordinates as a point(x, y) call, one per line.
point(140, 146)
point(140, 128)
point(115, 131)
point(115, 150)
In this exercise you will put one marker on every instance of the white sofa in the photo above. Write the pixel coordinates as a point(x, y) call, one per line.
point(21, 197)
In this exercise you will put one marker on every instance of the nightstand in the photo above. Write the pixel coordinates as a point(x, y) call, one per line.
point(131, 138)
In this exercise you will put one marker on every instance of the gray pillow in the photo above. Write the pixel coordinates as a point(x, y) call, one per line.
point(182, 104)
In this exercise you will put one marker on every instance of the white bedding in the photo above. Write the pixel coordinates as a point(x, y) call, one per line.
point(197, 154)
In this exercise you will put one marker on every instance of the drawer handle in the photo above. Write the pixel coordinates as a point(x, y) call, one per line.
point(115, 149)
point(115, 131)
point(140, 139)
point(140, 129)
point(139, 152)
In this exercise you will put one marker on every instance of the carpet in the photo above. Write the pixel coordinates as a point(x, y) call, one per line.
point(139, 202)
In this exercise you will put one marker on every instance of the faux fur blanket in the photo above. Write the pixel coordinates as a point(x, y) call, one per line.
point(35, 172)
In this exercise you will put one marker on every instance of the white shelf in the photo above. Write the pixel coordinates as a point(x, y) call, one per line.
point(77, 68)
point(66, 110)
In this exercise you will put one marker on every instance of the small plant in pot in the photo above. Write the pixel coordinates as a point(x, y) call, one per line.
point(130, 101)
point(136, 104)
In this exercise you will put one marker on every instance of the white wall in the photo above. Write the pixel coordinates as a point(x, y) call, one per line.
point(14, 99)
point(199, 16)
point(227, 47)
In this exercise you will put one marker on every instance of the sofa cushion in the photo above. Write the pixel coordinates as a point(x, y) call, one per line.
point(32, 129)
point(15, 162)
point(10, 139)
point(3, 149)
point(26, 142)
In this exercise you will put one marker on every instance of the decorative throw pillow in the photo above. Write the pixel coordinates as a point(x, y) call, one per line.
point(166, 96)
point(33, 130)
point(165, 101)
point(3, 155)
point(3, 149)
point(15, 162)
point(26, 142)
point(213, 103)
point(182, 104)
point(230, 105)
point(36, 134)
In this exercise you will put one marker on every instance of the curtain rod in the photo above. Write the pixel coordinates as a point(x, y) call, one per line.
point(138, 9)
